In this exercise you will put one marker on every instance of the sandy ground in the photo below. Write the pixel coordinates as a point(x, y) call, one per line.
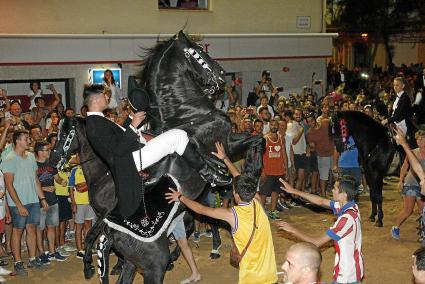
point(386, 260)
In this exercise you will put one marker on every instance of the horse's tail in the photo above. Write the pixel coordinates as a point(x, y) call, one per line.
point(103, 249)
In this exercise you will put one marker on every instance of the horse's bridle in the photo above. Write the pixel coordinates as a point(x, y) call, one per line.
point(212, 78)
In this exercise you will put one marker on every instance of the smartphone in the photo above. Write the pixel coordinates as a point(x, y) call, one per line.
point(7, 115)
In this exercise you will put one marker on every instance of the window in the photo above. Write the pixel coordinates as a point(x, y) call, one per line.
point(183, 4)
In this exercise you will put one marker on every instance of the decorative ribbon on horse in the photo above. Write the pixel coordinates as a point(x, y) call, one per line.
point(344, 130)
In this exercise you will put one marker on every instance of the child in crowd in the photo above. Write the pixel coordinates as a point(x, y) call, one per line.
point(84, 214)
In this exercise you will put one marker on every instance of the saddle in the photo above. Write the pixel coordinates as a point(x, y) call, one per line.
point(148, 222)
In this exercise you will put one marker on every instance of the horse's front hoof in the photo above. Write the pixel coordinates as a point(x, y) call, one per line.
point(372, 218)
point(379, 224)
point(214, 256)
point(89, 271)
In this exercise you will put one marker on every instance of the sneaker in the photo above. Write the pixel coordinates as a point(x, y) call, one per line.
point(56, 256)
point(4, 271)
point(280, 206)
point(44, 259)
point(68, 248)
point(274, 215)
point(208, 234)
point(20, 269)
point(196, 237)
point(35, 263)
point(62, 251)
point(69, 236)
point(294, 204)
point(80, 254)
point(395, 232)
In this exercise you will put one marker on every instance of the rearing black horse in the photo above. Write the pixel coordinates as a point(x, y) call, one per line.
point(376, 151)
point(178, 77)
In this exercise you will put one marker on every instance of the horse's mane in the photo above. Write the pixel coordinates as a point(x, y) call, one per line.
point(363, 124)
point(150, 57)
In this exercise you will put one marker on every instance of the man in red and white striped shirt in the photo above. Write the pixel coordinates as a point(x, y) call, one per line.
point(346, 233)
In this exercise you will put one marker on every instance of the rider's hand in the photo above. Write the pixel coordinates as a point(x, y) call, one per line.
point(138, 117)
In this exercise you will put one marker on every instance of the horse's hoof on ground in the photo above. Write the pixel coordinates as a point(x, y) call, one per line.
point(89, 272)
point(170, 266)
point(116, 270)
point(379, 224)
point(372, 218)
point(214, 256)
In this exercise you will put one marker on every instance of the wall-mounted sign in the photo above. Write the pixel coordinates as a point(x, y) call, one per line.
point(303, 22)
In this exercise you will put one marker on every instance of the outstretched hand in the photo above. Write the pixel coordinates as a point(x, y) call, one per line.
point(287, 187)
point(400, 137)
point(221, 153)
point(286, 227)
point(172, 196)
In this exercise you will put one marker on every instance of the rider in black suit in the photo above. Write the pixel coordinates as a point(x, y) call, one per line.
point(402, 112)
point(115, 145)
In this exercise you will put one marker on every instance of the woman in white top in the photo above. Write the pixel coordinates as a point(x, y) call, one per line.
point(109, 81)
point(35, 92)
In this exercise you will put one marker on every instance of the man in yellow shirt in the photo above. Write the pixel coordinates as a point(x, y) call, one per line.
point(84, 214)
point(258, 265)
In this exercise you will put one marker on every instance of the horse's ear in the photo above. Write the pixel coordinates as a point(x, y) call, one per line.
point(132, 83)
point(181, 35)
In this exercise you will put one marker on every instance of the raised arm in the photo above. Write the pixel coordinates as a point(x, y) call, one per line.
point(310, 197)
point(216, 213)
point(413, 161)
point(221, 154)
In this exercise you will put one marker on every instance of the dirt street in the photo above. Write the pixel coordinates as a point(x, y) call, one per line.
point(387, 260)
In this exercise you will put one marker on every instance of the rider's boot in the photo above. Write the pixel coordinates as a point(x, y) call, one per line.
point(209, 174)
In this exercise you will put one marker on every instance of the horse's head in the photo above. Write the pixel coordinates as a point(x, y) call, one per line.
point(67, 143)
point(206, 71)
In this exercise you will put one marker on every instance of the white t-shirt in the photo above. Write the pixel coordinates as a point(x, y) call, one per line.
point(33, 95)
point(293, 129)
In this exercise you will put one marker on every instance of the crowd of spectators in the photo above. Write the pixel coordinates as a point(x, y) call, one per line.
point(56, 210)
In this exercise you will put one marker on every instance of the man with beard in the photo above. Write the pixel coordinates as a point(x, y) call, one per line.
point(296, 130)
point(275, 166)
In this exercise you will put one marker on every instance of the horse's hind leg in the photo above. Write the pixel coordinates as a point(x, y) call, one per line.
point(127, 273)
point(374, 209)
point(116, 270)
point(91, 237)
point(103, 249)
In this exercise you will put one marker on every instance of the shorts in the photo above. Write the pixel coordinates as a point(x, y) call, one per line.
point(356, 173)
point(65, 209)
point(49, 218)
point(311, 163)
point(179, 231)
point(411, 190)
point(300, 161)
point(270, 184)
point(33, 218)
point(84, 213)
point(324, 165)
